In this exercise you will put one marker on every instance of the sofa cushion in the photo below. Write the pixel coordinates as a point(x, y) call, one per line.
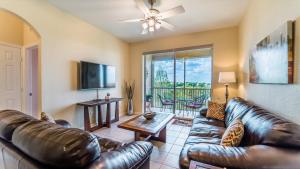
point(203, 120)
point(233, 134)
point(205, 130)
point(207, 127)
point(216, 111)
point(134, 155)
point(194, 140)
point(9, 121)
point(54, 145)
point(236, 108)
point(108, 145)
point(191, 140)
point(253, 157)
point(263, 127)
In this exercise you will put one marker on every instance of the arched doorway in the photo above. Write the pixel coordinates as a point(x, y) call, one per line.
point(19, 65)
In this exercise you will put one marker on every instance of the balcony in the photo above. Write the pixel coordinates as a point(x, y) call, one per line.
point(178, 81)
point(186, 103)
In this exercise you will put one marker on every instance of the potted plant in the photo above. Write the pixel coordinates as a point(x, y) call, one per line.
point(148, 98)
point(129, 88)
point(148, 102)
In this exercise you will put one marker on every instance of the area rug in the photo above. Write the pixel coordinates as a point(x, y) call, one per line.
point(183, 122)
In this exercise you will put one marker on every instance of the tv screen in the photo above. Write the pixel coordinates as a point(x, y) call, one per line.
point(96, 76)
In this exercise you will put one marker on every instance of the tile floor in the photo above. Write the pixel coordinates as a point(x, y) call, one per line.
point(164, 155)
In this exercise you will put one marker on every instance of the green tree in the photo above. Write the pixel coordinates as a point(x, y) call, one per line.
point(161, 77)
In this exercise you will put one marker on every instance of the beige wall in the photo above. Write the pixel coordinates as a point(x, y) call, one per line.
point(14, 30)
point(262, 18)
point(11, 29)
point(225, 57)
point(64, 41)
point(30, 37)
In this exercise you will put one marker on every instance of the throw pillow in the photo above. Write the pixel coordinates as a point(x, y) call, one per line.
point(216, 111)
point(233, 134)
point(46, 117)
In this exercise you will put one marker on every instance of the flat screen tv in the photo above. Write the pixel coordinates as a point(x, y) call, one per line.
point(96, 76)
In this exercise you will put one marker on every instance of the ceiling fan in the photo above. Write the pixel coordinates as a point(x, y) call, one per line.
point(153, 18)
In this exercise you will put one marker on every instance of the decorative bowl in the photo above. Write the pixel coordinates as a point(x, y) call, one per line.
point(149, 115)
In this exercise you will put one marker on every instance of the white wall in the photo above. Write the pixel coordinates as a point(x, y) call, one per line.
point(64, 41)
point(262, 18)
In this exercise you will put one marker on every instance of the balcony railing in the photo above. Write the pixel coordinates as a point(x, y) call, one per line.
point(182, 96)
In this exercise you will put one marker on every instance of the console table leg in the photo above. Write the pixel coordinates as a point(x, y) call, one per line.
point(100, 123)
point(117, 111)
point(87, 124)
point(108, 118)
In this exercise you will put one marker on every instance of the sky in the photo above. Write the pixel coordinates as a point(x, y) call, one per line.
point(197, 69)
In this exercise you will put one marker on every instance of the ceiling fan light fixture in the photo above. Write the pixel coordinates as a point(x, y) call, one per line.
point(154, 19)
point(151, 22)
point(151, 29)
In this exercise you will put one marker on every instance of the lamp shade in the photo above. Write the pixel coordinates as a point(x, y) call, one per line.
point(227, 77)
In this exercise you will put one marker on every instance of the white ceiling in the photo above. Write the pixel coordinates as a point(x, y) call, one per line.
point(200, 15)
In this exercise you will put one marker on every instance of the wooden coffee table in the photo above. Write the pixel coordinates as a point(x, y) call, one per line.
point(154, 129)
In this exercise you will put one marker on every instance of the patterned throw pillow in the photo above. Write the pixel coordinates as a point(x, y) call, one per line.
point(46, 117)
point(233, 134)
point(216, 111)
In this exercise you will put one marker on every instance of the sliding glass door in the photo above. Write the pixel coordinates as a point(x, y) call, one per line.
point(177, 81)
point(159, 82)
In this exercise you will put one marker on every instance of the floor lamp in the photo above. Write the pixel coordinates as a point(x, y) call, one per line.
point(226, 78)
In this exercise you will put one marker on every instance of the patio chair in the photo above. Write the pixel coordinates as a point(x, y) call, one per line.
point(196, 104)
point(165, 102)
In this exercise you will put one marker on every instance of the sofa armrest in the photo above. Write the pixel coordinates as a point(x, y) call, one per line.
point(129, 156)
point(203, 111)
point(107, 145)
point(257, 156)
point(63, 123)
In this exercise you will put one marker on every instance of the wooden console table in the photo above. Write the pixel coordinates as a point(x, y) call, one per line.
point(98, 104)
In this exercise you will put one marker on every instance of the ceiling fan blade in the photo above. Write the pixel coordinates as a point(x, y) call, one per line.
point(142, 6)
point(167, 25)
point(132, 20)
point(172, 12)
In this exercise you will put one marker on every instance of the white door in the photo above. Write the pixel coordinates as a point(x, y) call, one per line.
point(10, 78)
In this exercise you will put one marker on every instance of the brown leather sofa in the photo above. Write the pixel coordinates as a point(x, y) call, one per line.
point(269, 141)
point(28, 143)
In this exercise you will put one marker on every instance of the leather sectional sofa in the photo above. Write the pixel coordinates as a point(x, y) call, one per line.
point(269, 141)
point(28, 143)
